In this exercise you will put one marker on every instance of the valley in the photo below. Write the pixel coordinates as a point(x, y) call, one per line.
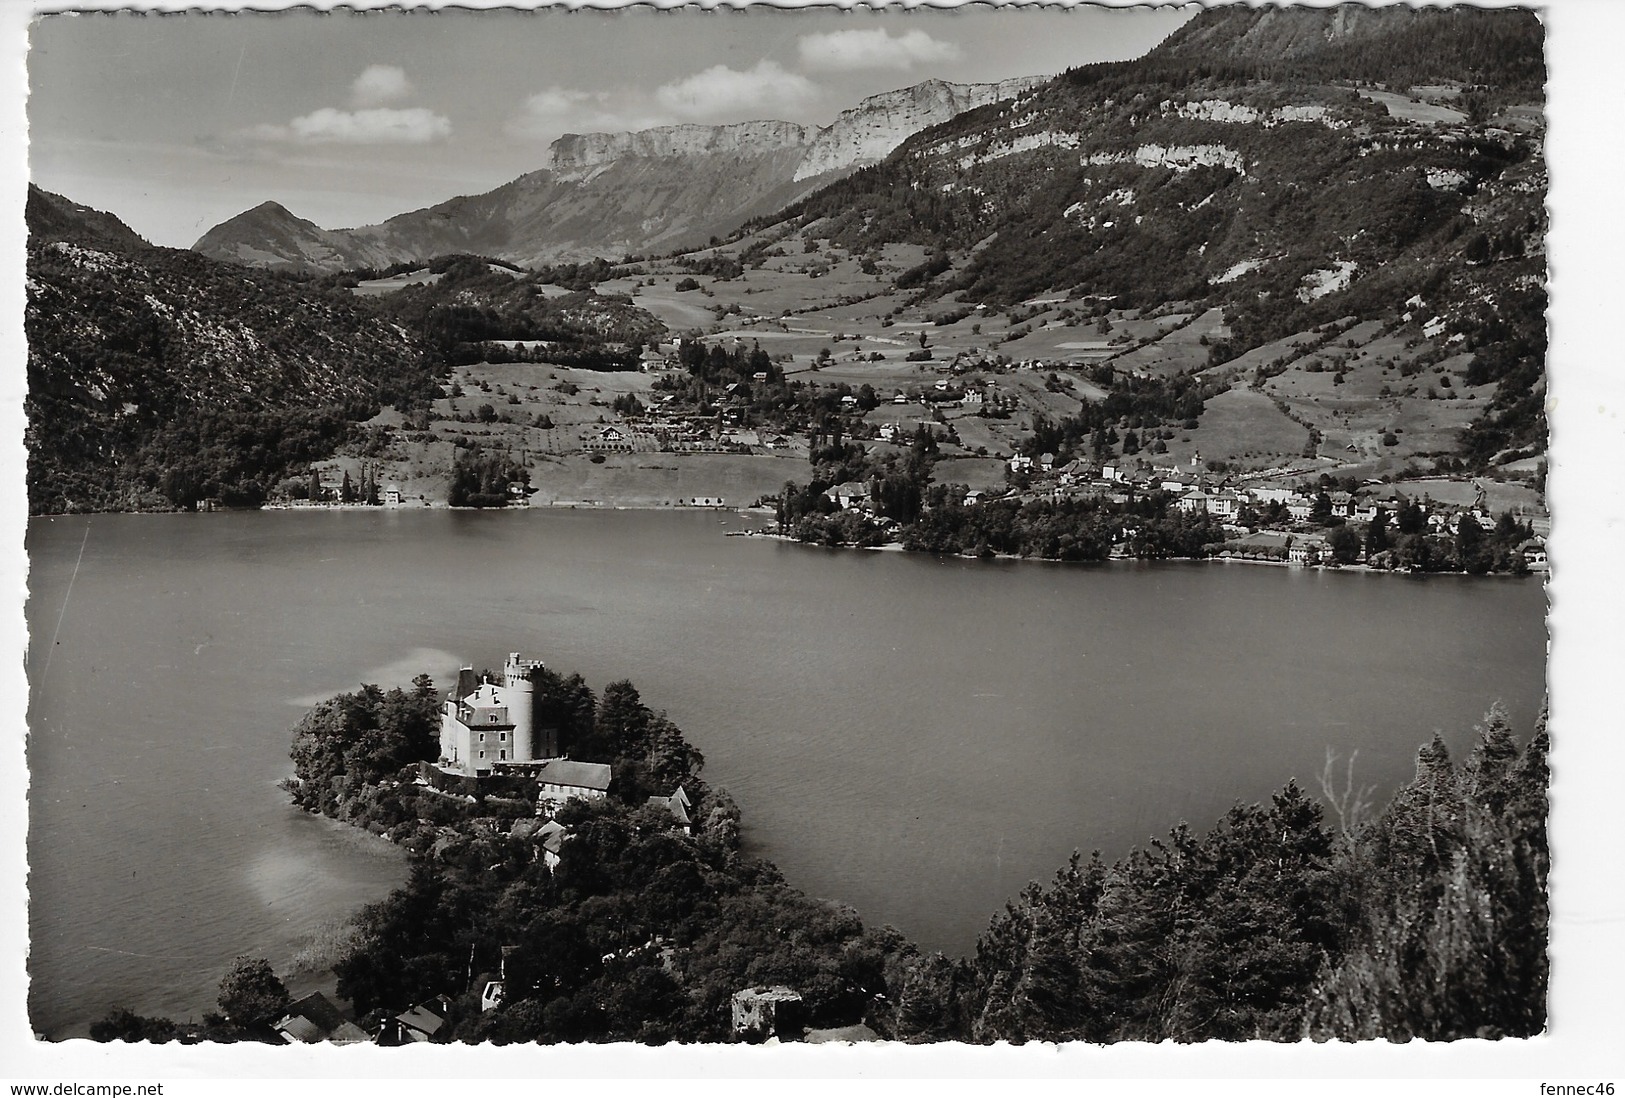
point(1384, 399)
point(1204, 272)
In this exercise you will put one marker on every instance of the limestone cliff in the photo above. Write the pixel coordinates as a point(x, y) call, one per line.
point(574, 152)
point(611, 194)
point(871, 130)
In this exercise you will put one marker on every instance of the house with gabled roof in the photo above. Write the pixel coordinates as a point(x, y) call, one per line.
point(1306, 550)
point(314, 1020)
point(560, 780)
point(551, 837)
point(851, 494)
point(417, 1025)
point(679, 806)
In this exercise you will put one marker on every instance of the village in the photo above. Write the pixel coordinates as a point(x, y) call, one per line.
point(977, 414)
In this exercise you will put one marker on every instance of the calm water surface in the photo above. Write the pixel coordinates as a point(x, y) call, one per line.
point(916, 737)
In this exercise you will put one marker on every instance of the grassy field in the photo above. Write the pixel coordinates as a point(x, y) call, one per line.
point(1375, 400)
point(818, 314)
point(1245, 430)
point(661, 480)
point(1498, 495)
point(1407, 108)
point(1184, 348)
point(376, 287)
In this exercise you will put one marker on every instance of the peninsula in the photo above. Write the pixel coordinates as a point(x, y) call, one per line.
point(574, 878)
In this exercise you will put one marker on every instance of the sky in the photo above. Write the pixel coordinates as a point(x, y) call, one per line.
point(175, 122)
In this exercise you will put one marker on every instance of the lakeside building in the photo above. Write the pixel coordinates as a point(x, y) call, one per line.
point(489, 730)
point(315, 1019)
point(484, 723)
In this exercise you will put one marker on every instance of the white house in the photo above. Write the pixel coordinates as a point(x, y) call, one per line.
point(560, 780)
point(679, 806)
point(1226, 505)
point(1306, 550)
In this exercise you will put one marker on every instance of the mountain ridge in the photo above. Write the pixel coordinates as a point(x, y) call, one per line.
point(604, 195)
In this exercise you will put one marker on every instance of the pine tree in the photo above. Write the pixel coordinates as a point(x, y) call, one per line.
point(1451, 943)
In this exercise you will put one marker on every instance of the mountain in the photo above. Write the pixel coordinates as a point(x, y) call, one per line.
point(1293, 167)
point(871, 130)
point(52, 217)
point(607, 195)
point(158, 378)
point(270, 236)
point(1391, 44)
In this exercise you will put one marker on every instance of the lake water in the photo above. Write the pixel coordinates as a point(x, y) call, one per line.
point(916, 737)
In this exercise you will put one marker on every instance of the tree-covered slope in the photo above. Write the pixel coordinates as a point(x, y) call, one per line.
point(1251, 164)
point(158, 378)
point(1389, 44)
point(1428, 920)
point(474, 300)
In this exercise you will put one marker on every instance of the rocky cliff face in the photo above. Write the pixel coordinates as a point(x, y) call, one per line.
point(871, 130)
point(574, 152)
point(611, 194)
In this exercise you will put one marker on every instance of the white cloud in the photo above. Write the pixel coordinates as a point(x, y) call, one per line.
point(378, 126)
point(846, 50)
point(558, 110)
point(557, 102)
point(368, 123)
point(380, 84)
point(758, 91)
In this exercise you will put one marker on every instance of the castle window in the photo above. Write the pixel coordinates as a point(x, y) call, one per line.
point(482, 737)
point(502, 735)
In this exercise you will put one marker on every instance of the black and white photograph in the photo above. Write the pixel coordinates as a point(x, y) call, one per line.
point(815, 541)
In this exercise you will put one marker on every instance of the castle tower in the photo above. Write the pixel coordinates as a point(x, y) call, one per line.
point(522, 707)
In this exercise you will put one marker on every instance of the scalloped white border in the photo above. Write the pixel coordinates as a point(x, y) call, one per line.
point(1586, 151)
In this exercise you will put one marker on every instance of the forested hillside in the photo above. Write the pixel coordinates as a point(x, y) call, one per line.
point(158, 378)
point(1292, 167)
point(473, 300)
point(1496, 51)
point(1427, 920)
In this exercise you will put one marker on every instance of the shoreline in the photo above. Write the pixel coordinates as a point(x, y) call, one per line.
point(889, 547)
point(1363, 569)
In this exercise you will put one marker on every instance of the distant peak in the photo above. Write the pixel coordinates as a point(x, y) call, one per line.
point(271, 208)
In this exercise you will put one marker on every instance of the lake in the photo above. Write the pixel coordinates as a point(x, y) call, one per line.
point(917, 737)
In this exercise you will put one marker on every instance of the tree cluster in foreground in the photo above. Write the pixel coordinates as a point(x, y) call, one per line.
point(1426, 920)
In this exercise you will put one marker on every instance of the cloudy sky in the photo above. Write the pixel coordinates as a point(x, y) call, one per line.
point(177, 122)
